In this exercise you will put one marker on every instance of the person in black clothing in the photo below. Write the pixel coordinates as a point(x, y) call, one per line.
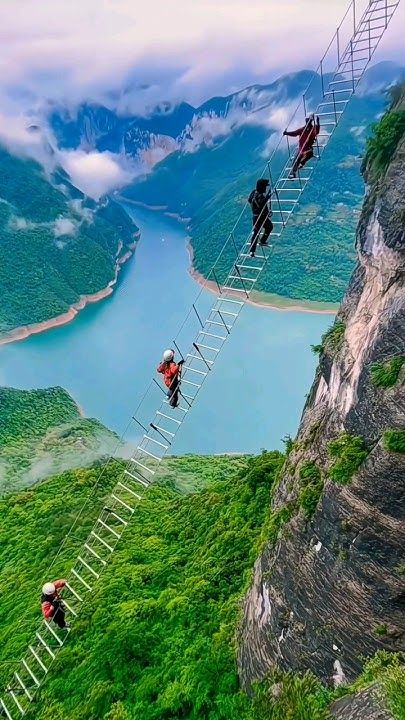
point(261, 211)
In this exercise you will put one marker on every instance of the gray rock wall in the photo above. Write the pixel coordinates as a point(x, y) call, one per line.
point(331, 590)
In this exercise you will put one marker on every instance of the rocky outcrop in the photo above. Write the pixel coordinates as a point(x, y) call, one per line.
point(330, 590)
point(365, 704)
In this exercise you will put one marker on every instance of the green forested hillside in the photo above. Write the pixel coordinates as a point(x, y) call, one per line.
point(42, 432)
point(315, 256)
point(157, 639)
point(54, 244)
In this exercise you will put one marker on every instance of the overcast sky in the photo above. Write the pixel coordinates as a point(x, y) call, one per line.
point(185, 49)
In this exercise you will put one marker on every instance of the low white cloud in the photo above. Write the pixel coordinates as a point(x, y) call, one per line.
point(358, 130)
point(64, 226)
point(135, 56)
point(20, 223)
point(79, 209)
point(16, 136)
point(95, 173)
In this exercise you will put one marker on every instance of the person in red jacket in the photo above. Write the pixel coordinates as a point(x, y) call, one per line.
point(171, 376)
point(306, 138)
point(51, 603)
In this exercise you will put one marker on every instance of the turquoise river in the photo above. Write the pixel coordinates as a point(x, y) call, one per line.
point(107, 356)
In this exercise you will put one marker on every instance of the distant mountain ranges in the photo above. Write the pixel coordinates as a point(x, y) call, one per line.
point(168, 127)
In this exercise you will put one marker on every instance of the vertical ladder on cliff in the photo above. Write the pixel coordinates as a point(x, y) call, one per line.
point(213, 331)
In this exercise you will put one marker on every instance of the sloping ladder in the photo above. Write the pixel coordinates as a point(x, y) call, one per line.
point(213, 333)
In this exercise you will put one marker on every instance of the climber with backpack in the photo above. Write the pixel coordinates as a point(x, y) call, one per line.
point(171, 372)
point(51, 604)
point(261, 213)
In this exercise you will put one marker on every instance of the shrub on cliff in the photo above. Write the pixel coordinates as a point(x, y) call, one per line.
point(394, 440)
point(347, 453)
point(387, 134)
point(386, 374)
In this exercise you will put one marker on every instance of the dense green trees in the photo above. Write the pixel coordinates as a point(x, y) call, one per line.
point(42, 432)
point(52, 250)
point(157, 638)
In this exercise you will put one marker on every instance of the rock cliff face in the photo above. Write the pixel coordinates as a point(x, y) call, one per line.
point(330, 590)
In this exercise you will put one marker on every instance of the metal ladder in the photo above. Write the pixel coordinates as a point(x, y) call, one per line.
point(213, 331)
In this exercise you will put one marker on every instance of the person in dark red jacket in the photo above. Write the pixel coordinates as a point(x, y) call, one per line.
point(171, 376)
point(307, 135)
point(51, 603)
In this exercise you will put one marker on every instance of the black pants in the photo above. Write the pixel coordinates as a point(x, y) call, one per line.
point(173, 392)
point(59, 617)
point(302, 159)
point(260, 223)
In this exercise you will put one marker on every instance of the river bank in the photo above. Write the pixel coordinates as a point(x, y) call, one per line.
point(262, 299)
point(258, 299)
point(107, 357)
point(25, 331)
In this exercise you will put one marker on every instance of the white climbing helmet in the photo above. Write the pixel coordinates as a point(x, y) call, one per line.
point(48, 589)
point(168, 355)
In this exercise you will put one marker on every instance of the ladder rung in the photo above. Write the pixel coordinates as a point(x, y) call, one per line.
point(199, 372)
point(335, 102)
point(71, 610)
point(239, 277)
point(38, 659)
point(118, 517)
point(303, 179)
point(331, 112)
point(251, 267)
point(198, 357)
point(27, 692)
point(107, 527)
point(206, 347)
point(5, 710)
point(155, 457)
point(189, 382)
point(230, 300)
point(46, 646)
point(103, 542)
point(368, 39)
point(79, 577)
point(226, 287)
point(132, 492)
point(216, 322)
point(69, 587)
point(226, 312)
point(218, 337)
point(89, 568)
point(157, 442)
point(144, 467)
point(17, 702)
point(124, 504)
point(189, 397)
point(93, 552)
point(163, 430)
point(183, 409)
point(354, 60)
point(53, 633)
point(178, 422)
point(282, 189)
point(141, 480)
point(339, 82)
point(370, 29)
point(29, 671)
point(379, 17)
